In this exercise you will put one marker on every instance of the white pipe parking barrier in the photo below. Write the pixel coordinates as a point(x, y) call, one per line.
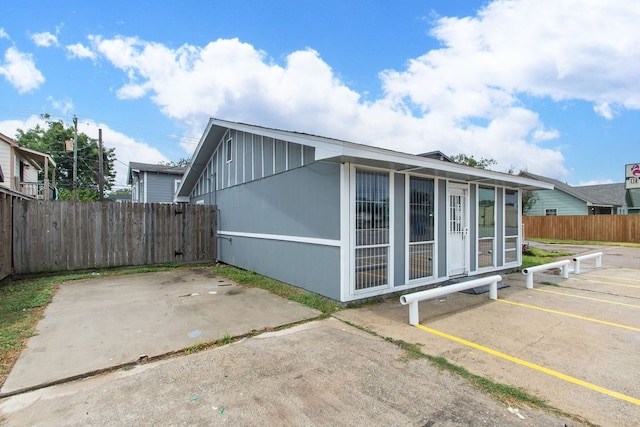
point(578, 259)
point(414, 298)
point(564, 265)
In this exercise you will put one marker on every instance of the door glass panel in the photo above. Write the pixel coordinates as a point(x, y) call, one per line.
point(372, 229)
point(421, 227)
point(486, 226)
point(511, 226)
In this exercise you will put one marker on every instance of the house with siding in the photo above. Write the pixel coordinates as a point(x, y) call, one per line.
point(153, 183)
point(351, 221)
point(564, 199)
point(25, 171)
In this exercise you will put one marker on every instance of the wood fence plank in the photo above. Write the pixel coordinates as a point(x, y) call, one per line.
point(52, 235)
point(607, 228)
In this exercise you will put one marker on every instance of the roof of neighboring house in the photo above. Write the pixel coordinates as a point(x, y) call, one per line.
point(611, 194)
point(34, 157)
point(148, 167)
point(338, 151)
point(608, 195)
point(438, 155)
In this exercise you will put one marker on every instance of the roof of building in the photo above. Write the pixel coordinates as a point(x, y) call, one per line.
point(32, 156)
point(611, 194)
point(155, 168)
point(607, 195)
point(339, 151)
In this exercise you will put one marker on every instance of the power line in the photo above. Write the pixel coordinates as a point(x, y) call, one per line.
point(115, 126)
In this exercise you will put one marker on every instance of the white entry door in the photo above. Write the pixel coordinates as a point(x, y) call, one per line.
point(458, 230)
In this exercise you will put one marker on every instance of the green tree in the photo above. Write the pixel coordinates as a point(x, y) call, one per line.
point(529, 198)
point(182, 163)
point(122, 192)
point(463, 159)
point(51, 140)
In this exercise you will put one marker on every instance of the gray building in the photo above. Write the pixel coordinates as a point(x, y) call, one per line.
point(153, 183)
point(351, 221)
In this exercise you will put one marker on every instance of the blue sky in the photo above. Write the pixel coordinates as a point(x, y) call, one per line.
point(551, 87)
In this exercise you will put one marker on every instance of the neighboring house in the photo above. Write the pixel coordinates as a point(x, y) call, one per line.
point(153, 183)
point(119, 198)
point(351, 221)
point(564, 199)
point(26, 171)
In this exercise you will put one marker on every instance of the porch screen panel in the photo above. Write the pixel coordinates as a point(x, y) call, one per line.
point(421, 227)
point(510, 226)
point(486, 226)
point(372, 229)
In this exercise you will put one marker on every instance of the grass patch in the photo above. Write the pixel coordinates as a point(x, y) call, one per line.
point(550, 284)
point(502, 392)
point(584, 242)
point(411, 351)
point(21, 306)
point(226, 339)
point(253, 280)
point(22, 303)
point(539, 256)
point(499, 391)
point(196, 348)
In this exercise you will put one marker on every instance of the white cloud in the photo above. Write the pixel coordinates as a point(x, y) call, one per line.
point(20, 70)
point(3, 34)
point(596, 182)
point(63, 106)
point(80, 51)
point(45, 39)
point(126, 148)
point(10, 127)
point(466, 97)
point(604, 110)
point(233, 80)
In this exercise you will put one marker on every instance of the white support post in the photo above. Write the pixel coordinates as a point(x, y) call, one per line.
point(578, 259)
point(414, 317)
point(564, 265)
point(413, 299)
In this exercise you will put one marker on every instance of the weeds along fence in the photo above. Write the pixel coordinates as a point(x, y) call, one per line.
point(604, 228)
point(56, 236)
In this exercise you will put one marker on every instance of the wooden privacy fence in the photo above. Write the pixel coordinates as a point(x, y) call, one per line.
point(7, 198)
point(604, 228)
point(5, 234)
point(55, 236)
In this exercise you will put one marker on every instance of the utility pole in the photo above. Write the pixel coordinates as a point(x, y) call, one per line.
point(75, 159)
point(100, 166)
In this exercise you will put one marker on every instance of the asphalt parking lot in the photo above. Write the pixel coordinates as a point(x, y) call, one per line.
point(573, 343)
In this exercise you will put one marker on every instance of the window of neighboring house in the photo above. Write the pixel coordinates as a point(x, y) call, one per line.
point(551, 212)
point(229, 145)
point(176, 185)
